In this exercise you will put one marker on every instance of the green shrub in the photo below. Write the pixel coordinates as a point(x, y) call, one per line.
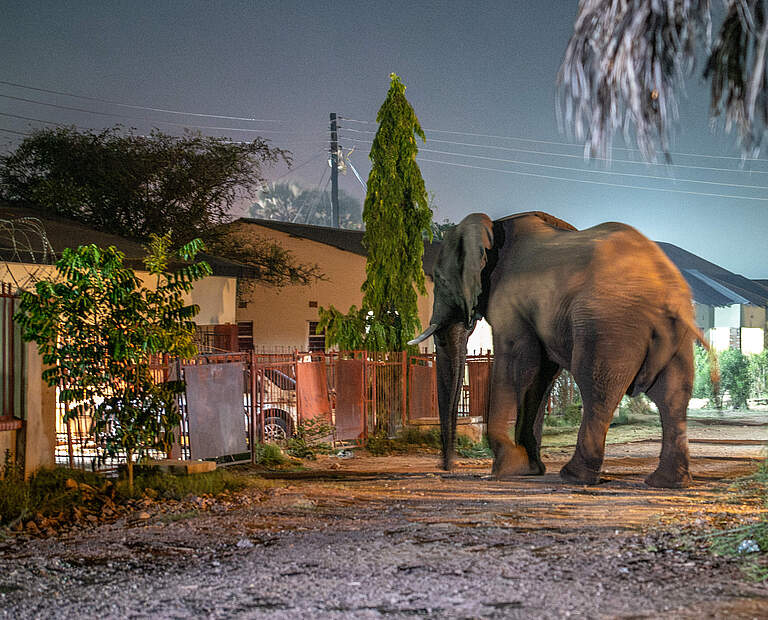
point(735, 377)
point(470, 449)
point(570, 416)
point(311, 438)
point(268, 455)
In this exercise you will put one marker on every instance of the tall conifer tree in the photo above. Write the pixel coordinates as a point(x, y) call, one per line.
point(396, 215)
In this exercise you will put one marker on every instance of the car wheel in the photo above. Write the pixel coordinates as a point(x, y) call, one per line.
point(275, 429)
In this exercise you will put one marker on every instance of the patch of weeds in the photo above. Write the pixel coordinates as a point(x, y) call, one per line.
point(312, 437)
point(633, 410)
point(473, 449)
point(747, 541)
point(171, 486)
point(269, 455)
point(408, 439)
point(179, 516)
point(567, 418)
point(47, 491)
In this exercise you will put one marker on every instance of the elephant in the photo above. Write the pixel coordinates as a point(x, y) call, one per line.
point(604, 303)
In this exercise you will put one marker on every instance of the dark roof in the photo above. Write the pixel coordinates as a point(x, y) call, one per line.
point(713, 285)
point(26, 245)
point(341, 238)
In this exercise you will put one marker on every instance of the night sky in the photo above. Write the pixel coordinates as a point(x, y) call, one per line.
point(484, 70)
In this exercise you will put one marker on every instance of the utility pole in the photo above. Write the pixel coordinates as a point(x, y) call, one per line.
point(334, 172)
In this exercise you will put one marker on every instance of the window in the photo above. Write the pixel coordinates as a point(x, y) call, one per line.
point(245, 335)
point(316, 342)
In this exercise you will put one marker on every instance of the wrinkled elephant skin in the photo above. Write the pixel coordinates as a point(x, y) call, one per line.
point(604, 303)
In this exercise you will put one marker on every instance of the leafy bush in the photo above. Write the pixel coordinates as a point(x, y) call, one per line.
point(470, 449)
point(570, 416)
point(735, 377)
point(311, 438)
point(268, 454)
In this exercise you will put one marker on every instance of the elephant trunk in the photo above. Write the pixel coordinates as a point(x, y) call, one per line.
point(451, 350)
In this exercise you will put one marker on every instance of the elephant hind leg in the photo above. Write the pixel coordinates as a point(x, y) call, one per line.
point(600, 399)
point(671, 392)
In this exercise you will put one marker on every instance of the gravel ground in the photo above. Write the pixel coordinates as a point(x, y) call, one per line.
point(394, 537)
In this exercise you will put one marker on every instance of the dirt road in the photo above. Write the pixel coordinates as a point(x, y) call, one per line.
point(394, 537)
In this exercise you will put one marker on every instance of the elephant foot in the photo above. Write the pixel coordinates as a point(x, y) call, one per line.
point(666, 480)
point(449, 461)
point(576, 474)
point(512, 460)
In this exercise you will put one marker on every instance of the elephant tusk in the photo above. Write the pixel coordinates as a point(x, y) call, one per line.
point(424, 335)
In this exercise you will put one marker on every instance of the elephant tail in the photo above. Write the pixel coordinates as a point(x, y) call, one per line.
point(714, 366)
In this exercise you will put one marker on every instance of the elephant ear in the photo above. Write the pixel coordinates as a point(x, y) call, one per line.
point(476, 238)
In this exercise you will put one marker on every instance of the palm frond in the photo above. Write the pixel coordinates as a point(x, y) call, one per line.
point(622, 69)
point(737, 68)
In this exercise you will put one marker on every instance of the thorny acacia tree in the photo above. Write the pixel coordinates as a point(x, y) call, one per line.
point(134, 185)
point(627, 58)
point(395, 214)
point(97, 324)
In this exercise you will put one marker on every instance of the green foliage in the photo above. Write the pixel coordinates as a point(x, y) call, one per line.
point(290, 203)
point(758, 371)
point(310, 439)
point(96, 327)
point(268, 455)
point(702, 380)
point(45, 492)
point(413, 439)
point(632, 408)
point(735, 377)
point(440, 228)
point(470, 449)
point(396, 213)
point(133, 185)
point(50, 491)
point(171, 486)
point(568, 417)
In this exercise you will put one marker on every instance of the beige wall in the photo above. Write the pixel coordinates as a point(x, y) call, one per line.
point(216, 295)
point(40, 415)
point(281, 316)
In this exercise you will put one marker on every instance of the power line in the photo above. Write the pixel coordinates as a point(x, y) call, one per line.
point(572, 156)
point(150, 121)
point(27, 118)
point(20, 133)
point(608, 172)
point(544, 176)
point(550, 142)
point(139, 107)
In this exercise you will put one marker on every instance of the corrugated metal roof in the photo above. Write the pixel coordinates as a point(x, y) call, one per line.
point(63, 233)
point(713, 285)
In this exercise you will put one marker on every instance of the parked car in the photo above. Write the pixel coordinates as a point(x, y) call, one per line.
point(280, 411)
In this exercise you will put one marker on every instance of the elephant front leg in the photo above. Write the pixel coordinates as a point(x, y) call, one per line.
point(509, 381)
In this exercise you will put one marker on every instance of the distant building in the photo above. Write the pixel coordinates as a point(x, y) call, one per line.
point(286, 318)
point(730, 309)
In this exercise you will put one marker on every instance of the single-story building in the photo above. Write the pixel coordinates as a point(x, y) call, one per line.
point(30, 242)
point(277, 319)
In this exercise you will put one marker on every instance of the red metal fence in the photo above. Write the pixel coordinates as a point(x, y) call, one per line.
point(357, 393)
